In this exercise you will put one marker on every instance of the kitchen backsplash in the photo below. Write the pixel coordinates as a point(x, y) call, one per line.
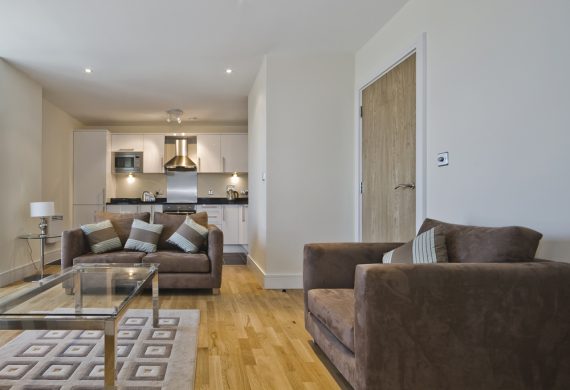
point(154, 182)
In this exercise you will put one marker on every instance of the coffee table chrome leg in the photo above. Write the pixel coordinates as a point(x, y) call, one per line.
point(78, 291)
point(155, 305)
point(110, 353)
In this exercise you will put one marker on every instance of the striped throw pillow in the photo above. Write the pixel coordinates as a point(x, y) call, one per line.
point(190, 236)
point(102, 237)
point(428, 247)
point(143, 237)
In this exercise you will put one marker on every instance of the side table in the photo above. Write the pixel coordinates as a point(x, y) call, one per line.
point(42, 238)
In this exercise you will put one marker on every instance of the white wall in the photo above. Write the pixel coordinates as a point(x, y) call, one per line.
point(497, 99)
point(257, 161)
point(20, 167)
point(306, 103)
point(57, 167)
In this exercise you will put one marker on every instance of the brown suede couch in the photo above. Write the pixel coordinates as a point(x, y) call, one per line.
point(176, 269)
point(492, 318)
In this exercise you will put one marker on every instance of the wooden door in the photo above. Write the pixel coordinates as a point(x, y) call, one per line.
point(389, 155)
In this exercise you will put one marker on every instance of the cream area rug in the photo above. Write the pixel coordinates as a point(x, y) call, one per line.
point(147, 358)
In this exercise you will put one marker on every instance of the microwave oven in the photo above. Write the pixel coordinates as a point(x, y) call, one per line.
point(127, 162)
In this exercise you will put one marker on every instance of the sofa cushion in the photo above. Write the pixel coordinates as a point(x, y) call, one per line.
point(427, 247)
point(178, 262)
point(334, 308)
point(171, 223)
point(190, 236)
point(475, 244)
point(143, 236)
point(102, 237)
point(123, 257)
point(122, 222)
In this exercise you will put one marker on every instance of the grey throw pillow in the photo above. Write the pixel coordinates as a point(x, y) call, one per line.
point(428, 247)
point(144, 236)
point(102, 237)
point(190, 236)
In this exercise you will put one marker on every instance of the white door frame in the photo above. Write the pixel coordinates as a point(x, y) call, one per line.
point(419, 48)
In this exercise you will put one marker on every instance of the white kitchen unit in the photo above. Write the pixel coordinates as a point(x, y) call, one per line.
point(127, 142)
point(234, 152)
point(134, 208)
point(92, 180)
point(242, 236)
point(230, 224)
point(209, 153)
point(153, 153)
point(84, 214)
point(214, 214)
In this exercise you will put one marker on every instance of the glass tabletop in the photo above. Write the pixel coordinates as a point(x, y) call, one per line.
point(37, 236)
point(86, 290)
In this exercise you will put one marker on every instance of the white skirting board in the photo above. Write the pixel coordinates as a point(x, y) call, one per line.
point(28, 269)
point(275, 281)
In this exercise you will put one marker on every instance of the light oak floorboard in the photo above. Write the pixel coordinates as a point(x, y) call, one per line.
point(249, 338)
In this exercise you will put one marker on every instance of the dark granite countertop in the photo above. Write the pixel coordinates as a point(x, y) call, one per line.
point(136, 201)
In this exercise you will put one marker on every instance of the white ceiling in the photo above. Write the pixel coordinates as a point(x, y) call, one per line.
point(151, 55)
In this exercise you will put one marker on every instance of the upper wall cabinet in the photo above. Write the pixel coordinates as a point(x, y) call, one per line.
point(234, 152)
point(128, 142)
point(209, 153)
point(153, 157)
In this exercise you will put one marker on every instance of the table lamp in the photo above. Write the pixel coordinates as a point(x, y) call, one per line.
point(42, 210)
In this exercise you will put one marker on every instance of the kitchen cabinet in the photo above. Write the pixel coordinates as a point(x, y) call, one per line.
point(242, 231)
point(134, 208)
point(230, 224)
point(84, 214)
point(234, 152)
point(153, 153)
point(209, 153)
point(128, 142)
point(214, 214)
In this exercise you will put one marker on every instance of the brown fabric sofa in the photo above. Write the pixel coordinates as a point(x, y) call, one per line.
point(176, 269)
point(492, 318)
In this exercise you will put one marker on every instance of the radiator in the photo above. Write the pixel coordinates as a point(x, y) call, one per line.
point(54, 227)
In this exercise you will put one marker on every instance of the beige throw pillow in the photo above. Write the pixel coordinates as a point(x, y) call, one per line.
point(428, 247)
point(144, 236)
point(102, 237)
point(190, 236)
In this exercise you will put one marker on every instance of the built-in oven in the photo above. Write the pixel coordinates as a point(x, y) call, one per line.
point(179, 209)
point(127, 162)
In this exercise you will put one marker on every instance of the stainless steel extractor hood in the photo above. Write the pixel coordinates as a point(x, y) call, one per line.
point(181, 161)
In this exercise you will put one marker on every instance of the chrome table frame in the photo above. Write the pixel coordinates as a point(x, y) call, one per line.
point(107, 323)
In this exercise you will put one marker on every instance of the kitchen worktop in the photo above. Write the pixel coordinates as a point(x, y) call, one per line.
point(243, 200)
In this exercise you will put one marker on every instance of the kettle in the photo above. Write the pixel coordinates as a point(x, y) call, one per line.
point(148, 196)
point(232, 194)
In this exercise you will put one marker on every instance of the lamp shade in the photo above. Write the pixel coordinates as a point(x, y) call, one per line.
point(42, 209)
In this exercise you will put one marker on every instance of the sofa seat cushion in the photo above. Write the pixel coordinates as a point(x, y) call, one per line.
point(123, 257)
point(334, 308)
point(179, 262)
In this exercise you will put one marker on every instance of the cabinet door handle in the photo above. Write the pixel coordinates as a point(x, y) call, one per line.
point(223, 214)
point(199, 165)
point(223, 164)
point(243, 214)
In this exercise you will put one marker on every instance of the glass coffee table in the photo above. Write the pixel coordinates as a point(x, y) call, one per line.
point(83, 297)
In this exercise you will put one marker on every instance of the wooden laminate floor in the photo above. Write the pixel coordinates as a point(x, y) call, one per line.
point(249, 338)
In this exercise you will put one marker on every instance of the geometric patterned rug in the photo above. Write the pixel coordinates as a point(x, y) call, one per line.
point(147, 358)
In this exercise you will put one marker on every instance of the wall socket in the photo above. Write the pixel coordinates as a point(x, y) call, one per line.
point(443, 159)
point(210, 192)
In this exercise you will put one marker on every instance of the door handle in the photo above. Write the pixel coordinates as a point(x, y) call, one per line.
point(199, 165)
point(410, 186)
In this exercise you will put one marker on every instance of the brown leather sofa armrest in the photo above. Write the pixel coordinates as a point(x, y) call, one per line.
point(448, 326)
point(333, 265)
point(216, 253)
point(73, 244)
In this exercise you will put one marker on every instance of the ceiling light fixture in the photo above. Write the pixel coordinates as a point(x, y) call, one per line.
point(88, 70)
point(174, 114)
point(229, 71)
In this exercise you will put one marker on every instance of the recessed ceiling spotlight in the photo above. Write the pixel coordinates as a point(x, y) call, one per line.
point(88, 70)
point(229, 71)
